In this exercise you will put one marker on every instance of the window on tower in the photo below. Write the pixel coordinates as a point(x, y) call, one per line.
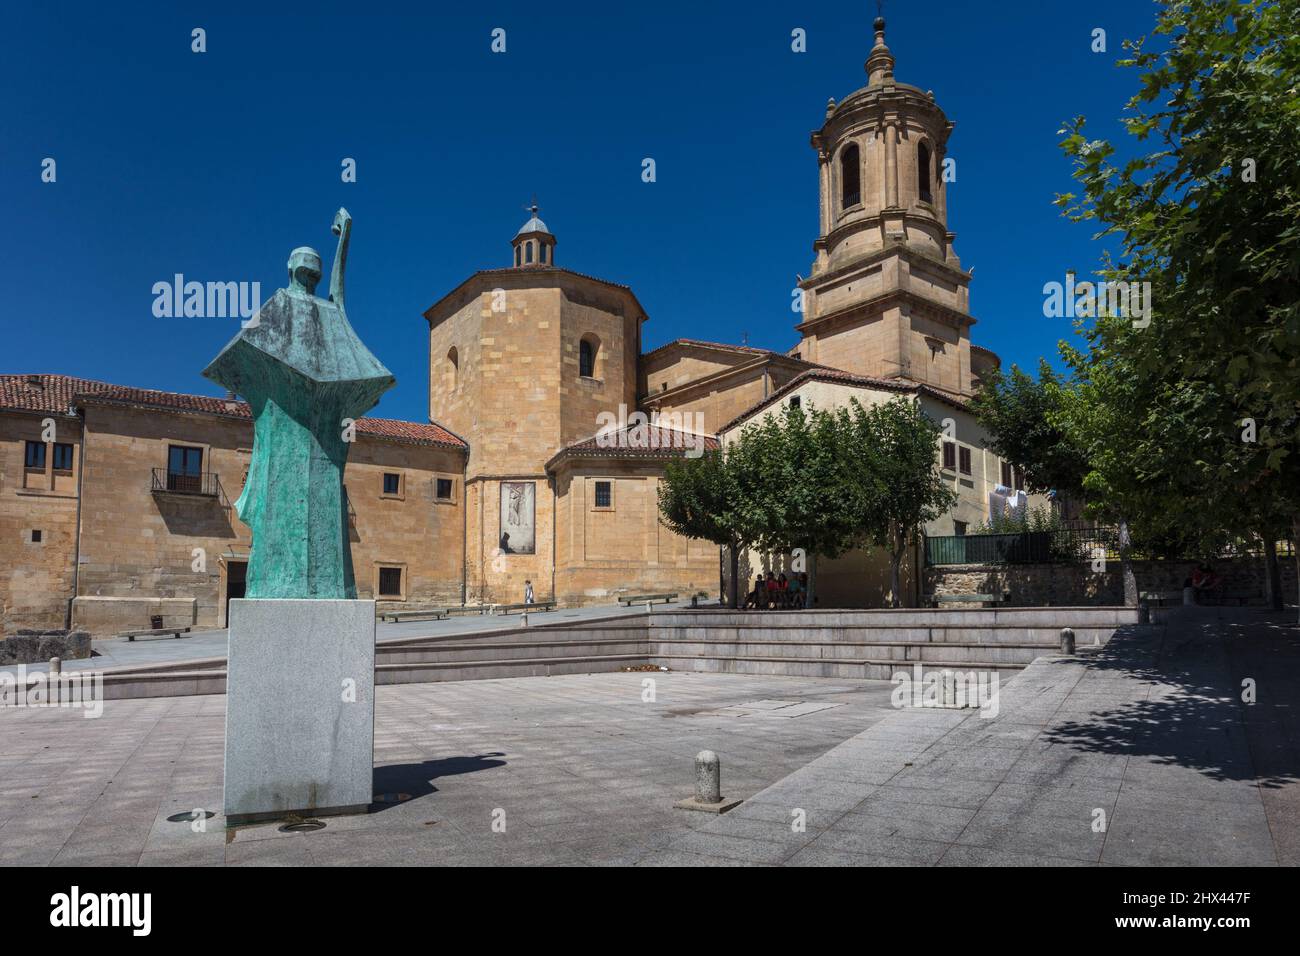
point(528, 252)
point(587, 358)
point(923, 172)
point(850, 177)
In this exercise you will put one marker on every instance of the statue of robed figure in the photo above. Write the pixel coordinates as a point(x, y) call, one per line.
point(307, 377)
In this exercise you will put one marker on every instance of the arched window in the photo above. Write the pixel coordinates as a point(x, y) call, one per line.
point(453, 368)
point(850, 177)
point(528, 252)
point(541, 254)
point(923, 172)
point(518, 253)
point(587, 351)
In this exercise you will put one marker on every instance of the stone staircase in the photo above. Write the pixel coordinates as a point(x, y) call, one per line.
point(873, 644)
point(839, 644)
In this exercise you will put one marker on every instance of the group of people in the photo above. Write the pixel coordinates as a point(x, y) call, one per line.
point(778, 591)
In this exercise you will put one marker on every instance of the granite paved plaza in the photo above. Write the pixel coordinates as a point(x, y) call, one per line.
point(584, 770)
point(1143, 754)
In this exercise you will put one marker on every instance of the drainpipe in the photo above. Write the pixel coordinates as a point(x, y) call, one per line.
point(553, 535)
point(464, 537)
point(76, 547)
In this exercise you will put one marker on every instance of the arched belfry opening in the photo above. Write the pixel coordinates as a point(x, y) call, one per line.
point(924, 175)
point(850, 176)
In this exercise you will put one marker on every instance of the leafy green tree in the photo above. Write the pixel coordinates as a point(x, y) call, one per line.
point(1190, 414)
point(897, 486)
point(806, 490)
point(1016, 411)
point(705, 498)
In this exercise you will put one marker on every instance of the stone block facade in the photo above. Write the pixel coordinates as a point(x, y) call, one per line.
point(1071, 585)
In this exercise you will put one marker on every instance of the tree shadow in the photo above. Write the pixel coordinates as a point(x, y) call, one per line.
point(1199, 667)
point(399, 783)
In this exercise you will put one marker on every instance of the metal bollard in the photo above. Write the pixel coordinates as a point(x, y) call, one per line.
point(56, 665)
point(708, 777)
point(1067, 640)
point(524, 618)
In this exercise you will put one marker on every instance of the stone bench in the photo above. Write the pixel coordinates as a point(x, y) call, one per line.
point(1160, 598)
point(418, 614)
point(150, 632)
point(630, 599)
point(507, 608)
point(987, 600)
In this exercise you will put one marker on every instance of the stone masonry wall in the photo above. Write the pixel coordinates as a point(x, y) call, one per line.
point(1065, 585)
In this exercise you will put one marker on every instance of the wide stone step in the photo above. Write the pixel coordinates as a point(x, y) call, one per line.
point(1052, 617)
point(501, 650)
point(903, 652)
point(876, 634)
point(840, 669)
point(496, 669)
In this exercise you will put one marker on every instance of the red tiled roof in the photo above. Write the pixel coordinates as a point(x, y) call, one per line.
point(57, 394)
point(900, 385)
point(637, 441)
point(700, 343)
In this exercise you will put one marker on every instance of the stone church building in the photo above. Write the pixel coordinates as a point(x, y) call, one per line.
point(116, 501)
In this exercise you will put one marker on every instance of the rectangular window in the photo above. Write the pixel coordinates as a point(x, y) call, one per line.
point(392, 483)
point(1017, 479)
point(965, 460)
point(36, 537)
point(390, 582)
point(1006, 474)
point(949, 455)
point(35, 457)
point(62, 457)
point(443, 489)
point(795, 402)
point(959, 528)
point(604, 494)
point(184, 468)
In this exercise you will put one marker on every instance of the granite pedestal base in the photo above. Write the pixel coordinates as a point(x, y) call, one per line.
point(300, 708)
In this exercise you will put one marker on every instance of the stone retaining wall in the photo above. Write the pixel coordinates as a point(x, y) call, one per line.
point(1039, 585)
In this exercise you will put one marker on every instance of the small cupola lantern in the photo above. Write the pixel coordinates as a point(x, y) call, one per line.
point(534, 245)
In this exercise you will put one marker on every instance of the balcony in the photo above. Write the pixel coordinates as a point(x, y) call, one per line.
point(205, 484)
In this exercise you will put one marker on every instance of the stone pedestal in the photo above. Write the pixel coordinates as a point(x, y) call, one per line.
point(300, 708)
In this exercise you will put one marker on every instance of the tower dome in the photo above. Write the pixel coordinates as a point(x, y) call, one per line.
point(534, 244)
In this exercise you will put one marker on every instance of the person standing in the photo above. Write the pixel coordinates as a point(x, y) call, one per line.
point(528, 592)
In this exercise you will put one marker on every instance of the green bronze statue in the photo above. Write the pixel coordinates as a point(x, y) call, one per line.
point(307, 376)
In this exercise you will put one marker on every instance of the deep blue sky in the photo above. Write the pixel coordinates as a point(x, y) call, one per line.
point(216, 165)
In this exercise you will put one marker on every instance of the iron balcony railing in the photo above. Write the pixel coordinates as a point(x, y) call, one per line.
point(1062, 545)
point(205, 483)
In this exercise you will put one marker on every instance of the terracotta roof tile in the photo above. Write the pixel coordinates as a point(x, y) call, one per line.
point(637, 441)
point(57, 394)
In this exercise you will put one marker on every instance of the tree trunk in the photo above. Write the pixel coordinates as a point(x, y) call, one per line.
point(1272, 573)
point(895, 559)
point(1295, 548)
point(1126, 566)
point(811, 597)
point(733, 587)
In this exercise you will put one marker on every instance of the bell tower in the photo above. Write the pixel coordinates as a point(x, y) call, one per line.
point(887, 296)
